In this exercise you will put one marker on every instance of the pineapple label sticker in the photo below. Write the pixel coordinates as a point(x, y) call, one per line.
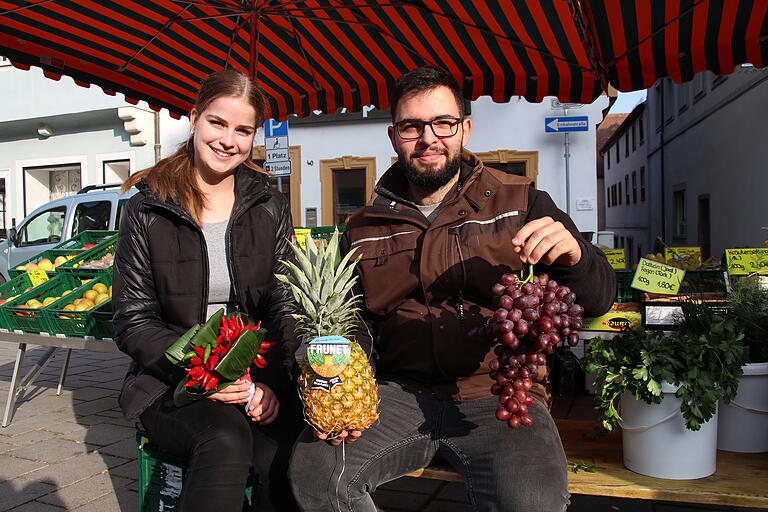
point(328, 356)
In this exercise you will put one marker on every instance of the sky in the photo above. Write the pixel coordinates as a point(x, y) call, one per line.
point(626, 101)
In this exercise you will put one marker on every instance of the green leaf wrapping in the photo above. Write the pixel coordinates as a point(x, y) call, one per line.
point(196, 335)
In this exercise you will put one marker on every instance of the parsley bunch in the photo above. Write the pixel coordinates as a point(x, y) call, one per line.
point(705, 365)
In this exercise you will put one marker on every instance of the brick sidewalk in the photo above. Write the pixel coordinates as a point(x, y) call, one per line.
point(76, 452)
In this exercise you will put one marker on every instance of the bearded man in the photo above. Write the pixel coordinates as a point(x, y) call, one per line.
point(440, 231)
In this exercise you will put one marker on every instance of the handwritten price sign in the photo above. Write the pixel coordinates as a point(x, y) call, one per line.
point(745, 261)
point(654, 277)
point(679, 253)
point(37, 277)
point(301, 236)
point(616, 258)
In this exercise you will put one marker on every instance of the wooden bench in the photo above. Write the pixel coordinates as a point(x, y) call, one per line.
point(741, 479)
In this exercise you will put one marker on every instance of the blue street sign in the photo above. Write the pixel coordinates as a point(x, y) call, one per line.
point(566, 124)
point(274, 128)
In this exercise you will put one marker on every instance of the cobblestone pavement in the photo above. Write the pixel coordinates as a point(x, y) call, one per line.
point(76, 452)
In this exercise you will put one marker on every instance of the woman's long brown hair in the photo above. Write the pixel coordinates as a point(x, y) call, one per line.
point(174, 176)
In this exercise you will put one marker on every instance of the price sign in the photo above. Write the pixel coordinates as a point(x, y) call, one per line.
point(37, 277)
point(654, 277)
point(745, 261)
point(301, 236)
point(680, 253)
point(616, 258)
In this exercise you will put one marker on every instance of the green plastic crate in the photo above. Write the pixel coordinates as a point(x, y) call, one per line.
point(703, 281)
point(11, 290)
point(51, 254)
point(96, 322)
point(325, 232)
point(79, 262)
point(624, 290)
point(161, 477)
point(17, 317)
point(86, 237)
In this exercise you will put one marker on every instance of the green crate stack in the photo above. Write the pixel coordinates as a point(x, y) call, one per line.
point(624, 290)
point(161, 477)
point(96, 322)
point(79, 262)
point(325, 232)
point(11, 289)
point(51, 254)
point(703, 281)
point(17, 317)
point(86, 237)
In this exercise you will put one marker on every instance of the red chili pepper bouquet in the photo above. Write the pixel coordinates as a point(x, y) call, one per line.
point(217, 353)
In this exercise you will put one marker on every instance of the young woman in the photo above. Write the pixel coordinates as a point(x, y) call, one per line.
point(205, 232)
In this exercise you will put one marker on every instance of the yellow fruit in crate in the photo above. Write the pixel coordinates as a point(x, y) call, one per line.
point(34, 303)
point(32, 266)
point(90, 295)
point(49, 300)
point(100, 288)
point(45, 264)
point(21, 267)
point(101, 298)
point(83, 306)
point(70, 256)
point(110, 291)
point(59, 260)
point(69, 307)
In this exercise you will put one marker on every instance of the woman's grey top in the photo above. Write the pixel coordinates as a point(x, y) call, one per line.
point(219, 284)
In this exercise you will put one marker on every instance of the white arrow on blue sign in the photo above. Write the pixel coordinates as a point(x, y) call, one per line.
point(566, 124)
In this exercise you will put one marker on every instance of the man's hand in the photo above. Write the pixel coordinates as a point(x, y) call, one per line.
point(350, 435)
point(264, 406)
point(236, 393)
point(546, 241)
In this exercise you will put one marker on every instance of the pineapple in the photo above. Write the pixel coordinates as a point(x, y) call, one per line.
point(322, 285)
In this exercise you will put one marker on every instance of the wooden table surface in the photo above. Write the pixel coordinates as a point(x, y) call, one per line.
point(741, 479)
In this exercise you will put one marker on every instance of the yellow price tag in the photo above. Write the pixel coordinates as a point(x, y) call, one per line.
point(745, 261)
point(654, 277)
point(679, 253)
point(301, 236)
point(616, 258)
point(37, 277)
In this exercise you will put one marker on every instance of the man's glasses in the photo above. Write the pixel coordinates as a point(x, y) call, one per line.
point(442, 127)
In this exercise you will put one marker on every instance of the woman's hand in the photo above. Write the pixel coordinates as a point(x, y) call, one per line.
point(264, 406)
point(236, 393)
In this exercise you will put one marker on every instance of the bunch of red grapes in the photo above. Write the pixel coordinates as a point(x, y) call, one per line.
point(532, 318)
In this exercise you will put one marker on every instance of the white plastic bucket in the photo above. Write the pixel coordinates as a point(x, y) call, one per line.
point(743, 424)
point(657, 443)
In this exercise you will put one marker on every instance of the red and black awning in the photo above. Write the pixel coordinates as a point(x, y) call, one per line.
point(326, 54)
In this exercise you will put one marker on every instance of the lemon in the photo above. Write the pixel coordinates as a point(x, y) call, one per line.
point(90, 295)
point(49, 300)
point(100, 288)
point(45, 264)
point(101, 298)
point(83, 306)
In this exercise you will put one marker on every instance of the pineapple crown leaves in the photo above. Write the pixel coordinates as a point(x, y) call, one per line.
point(321, 282)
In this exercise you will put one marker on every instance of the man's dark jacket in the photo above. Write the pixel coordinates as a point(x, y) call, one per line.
point(160, 282)
point(425, 285)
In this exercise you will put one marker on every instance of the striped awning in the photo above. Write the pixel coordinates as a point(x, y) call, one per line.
point(323, 55)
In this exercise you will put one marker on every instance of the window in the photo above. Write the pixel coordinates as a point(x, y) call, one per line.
point(678, 206)
point(91, 215)
point(669, 99)
point(43, 228)
point(626, 187)
point(618, 155)
point(699, 86)
point(682, 96)
point(718, 81)
point(642, 130)
point(642, 184)
point(608, 157)
point(626, 143)
point(659, 105)
point(619, 192)
point(115, 171)
point(608, 196)
point(614, 201)
point(634, 187)
point(348, 193)
point(634, 136)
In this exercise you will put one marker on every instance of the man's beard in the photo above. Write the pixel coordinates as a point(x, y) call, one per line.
point(431, 179)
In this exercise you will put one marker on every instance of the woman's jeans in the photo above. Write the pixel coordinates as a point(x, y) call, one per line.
point(505, 469)
point(221, 445)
